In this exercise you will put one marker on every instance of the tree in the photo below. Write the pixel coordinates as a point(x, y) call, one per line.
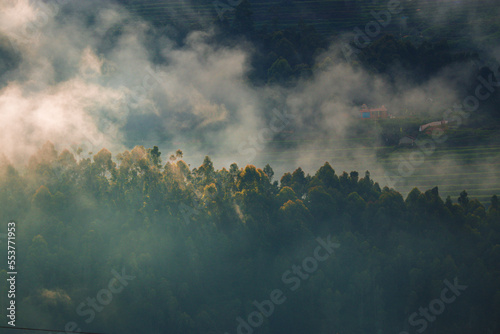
point(39, 261)
point(104, 162)
point(252, 178)
point(279, 72)
point(154, 156)
point(286, 180)
point(178, 155)
point(286, 194)
point(269, 172)
point(43, 199)
point(66, 159)
point(355, 205)
point(495, 203)
point(354, 177)
point(321, 205)
point(294, 217)
point(262, 233)
point(243, 19)
point(463, 200)
point(206, 171)
point(44, 156)
point(299, 181)
point(326, 174)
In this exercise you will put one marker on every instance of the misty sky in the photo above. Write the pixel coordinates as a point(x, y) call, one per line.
point(93, 74)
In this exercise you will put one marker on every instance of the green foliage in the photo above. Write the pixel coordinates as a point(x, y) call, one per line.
point(280, 71)
point(205, 243)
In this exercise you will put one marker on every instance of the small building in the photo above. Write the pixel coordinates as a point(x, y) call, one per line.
point(432, 125)
point(373, 113)
point(407, 141)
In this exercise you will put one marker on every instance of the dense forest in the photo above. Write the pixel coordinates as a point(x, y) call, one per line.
point(204, 249)
point(296, 236)
point(290, 38)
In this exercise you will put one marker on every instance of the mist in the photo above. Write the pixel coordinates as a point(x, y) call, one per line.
point(97, 97)
point(107, 78)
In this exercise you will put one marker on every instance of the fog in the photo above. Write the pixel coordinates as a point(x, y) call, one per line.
point(92, 74)
point(205, 246)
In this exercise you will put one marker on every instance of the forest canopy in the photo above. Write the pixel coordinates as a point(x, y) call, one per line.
point(204, 246)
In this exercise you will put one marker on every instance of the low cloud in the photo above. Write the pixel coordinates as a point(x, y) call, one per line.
point(99, 76)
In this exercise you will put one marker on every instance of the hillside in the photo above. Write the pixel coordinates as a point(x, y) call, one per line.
point(192, 243)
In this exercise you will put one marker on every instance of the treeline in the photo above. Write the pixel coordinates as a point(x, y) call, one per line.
point(204, 244)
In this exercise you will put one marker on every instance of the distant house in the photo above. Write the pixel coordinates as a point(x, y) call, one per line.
point(374, 113)
point(407, 141)
point(432, 125)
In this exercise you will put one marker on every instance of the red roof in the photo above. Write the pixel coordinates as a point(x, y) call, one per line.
point(364, 108)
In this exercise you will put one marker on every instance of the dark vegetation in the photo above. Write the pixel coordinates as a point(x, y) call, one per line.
point(288, 36)
point(205, 243)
